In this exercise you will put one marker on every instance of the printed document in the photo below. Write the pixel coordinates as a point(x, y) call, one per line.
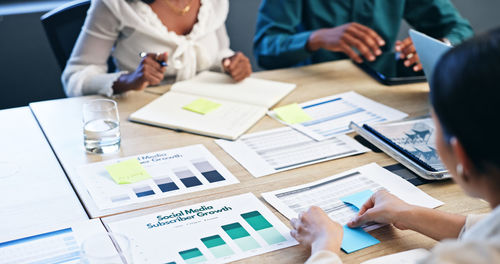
point(217, 231)
point(332, 115)
point(173, 172)
point(281, 149)
point(326, 193)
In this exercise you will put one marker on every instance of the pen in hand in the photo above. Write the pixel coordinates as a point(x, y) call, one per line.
point(162, 63)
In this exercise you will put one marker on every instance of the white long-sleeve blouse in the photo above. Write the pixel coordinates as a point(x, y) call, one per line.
point(124, 28)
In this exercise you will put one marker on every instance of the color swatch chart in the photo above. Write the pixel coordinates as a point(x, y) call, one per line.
point(173, 172)
point(332, 115)
point(217, 231)
point(54, 247)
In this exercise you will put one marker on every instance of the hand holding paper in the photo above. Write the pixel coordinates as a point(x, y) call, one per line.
point(126, 172)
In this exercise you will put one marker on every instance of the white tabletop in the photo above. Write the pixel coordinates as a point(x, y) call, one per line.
point(35, 195)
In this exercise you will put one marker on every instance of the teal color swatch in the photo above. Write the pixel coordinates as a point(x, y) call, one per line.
point(356, 239)
point(357, 199)
point(192, 256)
point(240, 236)
point(263, 227)
point(217, 246)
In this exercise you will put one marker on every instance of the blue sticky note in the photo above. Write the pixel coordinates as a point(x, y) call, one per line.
point(356, 239)
point(357, 199)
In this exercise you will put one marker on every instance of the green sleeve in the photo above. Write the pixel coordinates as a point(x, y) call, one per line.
point(437, 18)
point(277, 42)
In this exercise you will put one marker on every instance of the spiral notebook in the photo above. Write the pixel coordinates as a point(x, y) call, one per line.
point(412, 143)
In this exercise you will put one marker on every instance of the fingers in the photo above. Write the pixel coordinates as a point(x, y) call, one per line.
point(402, 45)
point(380, 41)
point(350, 52)
point(150, 70)
point(360, 46)
point(238, 66)
point(363, 219)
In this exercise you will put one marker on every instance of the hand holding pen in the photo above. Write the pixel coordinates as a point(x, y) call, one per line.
point(150, 71)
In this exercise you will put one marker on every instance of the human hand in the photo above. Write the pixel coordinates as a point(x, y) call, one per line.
point(408, 54)
point(382, 208)
point(344, 38)
point(149, 72)
point(238, 66)
point(314, 229)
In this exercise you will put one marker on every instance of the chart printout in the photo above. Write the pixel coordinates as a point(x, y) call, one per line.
point(174, 172)
point(218, 231)
point(281, 149)
point(59, 246)
point(326, 193)
point(332, 115)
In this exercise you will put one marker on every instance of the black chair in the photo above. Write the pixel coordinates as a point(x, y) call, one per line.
point(63, 25)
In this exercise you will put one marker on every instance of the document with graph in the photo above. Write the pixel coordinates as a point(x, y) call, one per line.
point(58, 246)
point(217, 231)
point(326, 193)
point(172, 172)
point(272, 151)
point(332, 115)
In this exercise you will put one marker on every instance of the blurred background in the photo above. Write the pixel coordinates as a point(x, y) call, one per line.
point(29, 71)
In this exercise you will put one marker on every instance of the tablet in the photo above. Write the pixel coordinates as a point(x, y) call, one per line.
point(389, 69)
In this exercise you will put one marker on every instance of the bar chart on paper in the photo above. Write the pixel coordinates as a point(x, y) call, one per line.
point(173, 172)
point(332, 115)
point(216, 231)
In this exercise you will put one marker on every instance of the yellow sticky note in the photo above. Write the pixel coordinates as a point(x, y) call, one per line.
point(128, 171)
point(292, 114)
point(201, 106)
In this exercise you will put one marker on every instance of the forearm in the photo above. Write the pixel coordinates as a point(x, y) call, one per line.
point(432, 223)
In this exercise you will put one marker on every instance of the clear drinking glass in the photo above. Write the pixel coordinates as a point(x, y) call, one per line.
point(101, 126)
point(107, 248)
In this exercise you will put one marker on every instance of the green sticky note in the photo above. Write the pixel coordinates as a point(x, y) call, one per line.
point(292, 114)
point(201, 106)
point(128, 171)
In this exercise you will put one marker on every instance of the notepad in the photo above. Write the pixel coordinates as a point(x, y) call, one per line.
point(357, 199)
point(201, 106)
point(128, 171)
point(241, 105)
point(356, 239)
point(292, 114)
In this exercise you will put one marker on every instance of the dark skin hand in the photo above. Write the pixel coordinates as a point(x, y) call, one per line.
point(149, 72)
point(238, 66)
point(408, 54)
point(346, 37)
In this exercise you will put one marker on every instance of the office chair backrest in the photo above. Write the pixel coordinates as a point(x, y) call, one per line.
point(63, 25)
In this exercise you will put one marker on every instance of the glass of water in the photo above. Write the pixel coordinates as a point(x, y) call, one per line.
point(107, 248)
point(101, 126)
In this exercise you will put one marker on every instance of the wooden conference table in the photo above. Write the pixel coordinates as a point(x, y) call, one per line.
point(61, 122)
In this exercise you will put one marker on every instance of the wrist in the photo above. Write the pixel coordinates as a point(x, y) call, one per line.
point(406, 216)
point(314, 42)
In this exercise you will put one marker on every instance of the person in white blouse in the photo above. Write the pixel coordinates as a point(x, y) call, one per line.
point(189, 35)
point(464, 97)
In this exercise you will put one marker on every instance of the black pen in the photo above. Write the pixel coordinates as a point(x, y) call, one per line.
point(162, 63)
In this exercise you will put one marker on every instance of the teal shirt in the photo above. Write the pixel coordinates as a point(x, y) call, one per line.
point(284, 26)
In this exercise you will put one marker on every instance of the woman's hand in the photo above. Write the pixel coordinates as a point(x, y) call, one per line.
point(382, 208)
point(149, 72)
point(238, 66)
point(314, 229)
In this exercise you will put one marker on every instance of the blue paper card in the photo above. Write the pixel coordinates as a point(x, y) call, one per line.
point(357, 199)
point(356, 239)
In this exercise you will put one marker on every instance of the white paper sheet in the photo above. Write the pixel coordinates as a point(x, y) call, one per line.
point(413, 256)
point(281, 149)
point(332, 115)
point(174, 172)
point(58, 246)
point(218, 231)
point(326, 193)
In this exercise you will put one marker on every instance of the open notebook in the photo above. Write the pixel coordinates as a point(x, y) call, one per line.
point(241, 105)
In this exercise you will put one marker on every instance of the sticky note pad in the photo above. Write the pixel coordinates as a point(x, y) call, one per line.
point(356, 239)
point(357, 199)
point(128, 171)
point(201, 106)
point(292, 114)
